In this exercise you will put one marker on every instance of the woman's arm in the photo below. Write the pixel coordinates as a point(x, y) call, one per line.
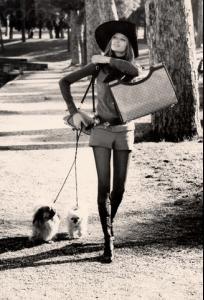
point(124, 66)
point(67, 80)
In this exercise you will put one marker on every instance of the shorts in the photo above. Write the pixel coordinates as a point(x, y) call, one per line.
point(108, 138)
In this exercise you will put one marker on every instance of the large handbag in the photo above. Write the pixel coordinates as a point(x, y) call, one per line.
point(146, 96)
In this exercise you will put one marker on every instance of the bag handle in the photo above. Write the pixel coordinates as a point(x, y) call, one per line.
point(93, 94)
point(139, 81)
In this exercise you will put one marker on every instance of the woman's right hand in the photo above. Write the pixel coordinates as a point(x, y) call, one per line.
point(82, 118)
point(77, 120)
point(100, 59)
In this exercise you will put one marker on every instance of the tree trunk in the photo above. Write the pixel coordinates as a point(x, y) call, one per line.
point(84, 49)
point(199, 40)
point(1, 39)
point(74, 41)
point(197, 7)
point(68, 39)
point(77, 41)
point(170, 37)
point(81, 36)
point(23, 8)
point(97, 12)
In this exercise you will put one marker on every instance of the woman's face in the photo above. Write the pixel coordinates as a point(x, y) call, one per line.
point(119, 44)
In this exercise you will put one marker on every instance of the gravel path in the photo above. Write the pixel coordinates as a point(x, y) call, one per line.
point(158, 228)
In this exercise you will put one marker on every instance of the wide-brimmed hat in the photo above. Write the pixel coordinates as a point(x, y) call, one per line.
point(105, 31)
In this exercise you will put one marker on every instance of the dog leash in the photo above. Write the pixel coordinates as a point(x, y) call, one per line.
point(78, 133)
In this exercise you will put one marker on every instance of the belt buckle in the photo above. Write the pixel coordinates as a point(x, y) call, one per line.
point(106, 124)
point(96, 121)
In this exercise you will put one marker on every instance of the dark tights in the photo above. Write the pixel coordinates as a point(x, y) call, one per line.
point(109, 201)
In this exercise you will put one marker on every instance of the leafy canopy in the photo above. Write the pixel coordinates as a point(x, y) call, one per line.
point(67, 5)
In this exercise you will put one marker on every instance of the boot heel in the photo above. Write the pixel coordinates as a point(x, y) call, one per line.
point(108, 254)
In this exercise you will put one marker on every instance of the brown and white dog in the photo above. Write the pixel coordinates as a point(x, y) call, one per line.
point(45, 224)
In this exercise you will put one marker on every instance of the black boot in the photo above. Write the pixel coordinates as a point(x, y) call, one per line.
point(104, 209)
point(108, 254)
point(115, 200)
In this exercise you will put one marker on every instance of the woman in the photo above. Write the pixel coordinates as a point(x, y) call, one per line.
point(118, 41)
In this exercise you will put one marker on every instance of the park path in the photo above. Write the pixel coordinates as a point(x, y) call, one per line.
point(32, 110)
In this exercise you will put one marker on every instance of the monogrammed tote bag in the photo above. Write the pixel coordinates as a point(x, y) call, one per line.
point(146, 96)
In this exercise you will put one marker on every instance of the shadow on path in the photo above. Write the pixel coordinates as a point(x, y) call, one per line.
point(39, 50)
point(40, 147)
point(36, 260)
point(178, 228)
point(173, 224)
point(57, 138)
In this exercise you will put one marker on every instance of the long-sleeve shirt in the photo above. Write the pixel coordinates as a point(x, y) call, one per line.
point(116, 69)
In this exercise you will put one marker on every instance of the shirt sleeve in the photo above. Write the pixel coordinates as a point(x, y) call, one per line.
point(124, 66)
point(67, 80)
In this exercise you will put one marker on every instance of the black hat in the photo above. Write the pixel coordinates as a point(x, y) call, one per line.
point(105, 31)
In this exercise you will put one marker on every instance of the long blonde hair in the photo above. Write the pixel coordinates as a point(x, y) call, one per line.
point(129, 54)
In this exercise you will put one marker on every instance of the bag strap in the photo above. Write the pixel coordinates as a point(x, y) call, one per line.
point(91, 84)
point(93, 94)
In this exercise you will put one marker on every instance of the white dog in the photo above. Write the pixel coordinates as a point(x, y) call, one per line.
point(77, 223)
point(45, 224)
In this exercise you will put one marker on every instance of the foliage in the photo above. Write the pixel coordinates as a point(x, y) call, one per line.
point(67, 5)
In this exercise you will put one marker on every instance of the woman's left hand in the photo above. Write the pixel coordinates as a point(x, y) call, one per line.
point(100, 59)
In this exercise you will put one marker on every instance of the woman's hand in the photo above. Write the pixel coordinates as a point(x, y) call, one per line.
point(82, 118)
point(100, 59)
point(77, 120)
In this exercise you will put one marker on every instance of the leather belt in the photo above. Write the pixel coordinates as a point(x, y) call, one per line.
point(99, 121)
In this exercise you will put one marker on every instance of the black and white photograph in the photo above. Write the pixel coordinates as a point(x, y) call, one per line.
point(101, 149)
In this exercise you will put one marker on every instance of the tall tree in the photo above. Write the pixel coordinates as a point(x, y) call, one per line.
point(197, 6)
point(77, 44)
point(23, 10)
point(1, 38)
point(199, 40)
point(74, 44)
point(97, 12)
point(170, 37)
point(82, 36)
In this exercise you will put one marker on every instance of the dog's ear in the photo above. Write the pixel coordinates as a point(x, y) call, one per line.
point(42, 213)
point(38, 216)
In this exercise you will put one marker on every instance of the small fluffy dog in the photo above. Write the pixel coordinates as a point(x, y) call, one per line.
point(45, 224)
point(77, 222)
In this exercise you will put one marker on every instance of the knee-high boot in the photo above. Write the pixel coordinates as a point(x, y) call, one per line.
point(104, 208)
point(115, 200)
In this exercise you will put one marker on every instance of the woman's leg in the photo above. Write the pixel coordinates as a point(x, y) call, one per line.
point(102, 159)
point(120, 167)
